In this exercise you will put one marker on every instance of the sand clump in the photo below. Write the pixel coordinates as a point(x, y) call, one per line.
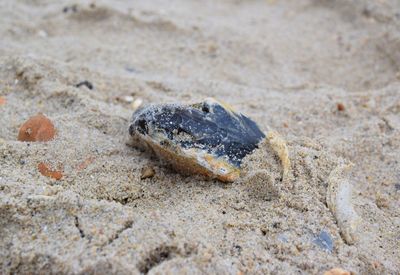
point(285, 64)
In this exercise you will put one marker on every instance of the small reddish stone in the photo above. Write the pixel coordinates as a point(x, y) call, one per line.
point(37, 128)
point(340, 107)
point(2, 101)
point(84, 163)
point(46, 171)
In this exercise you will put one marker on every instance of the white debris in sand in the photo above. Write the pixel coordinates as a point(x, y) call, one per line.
point(338, 198)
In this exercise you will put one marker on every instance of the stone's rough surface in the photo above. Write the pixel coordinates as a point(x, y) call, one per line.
point(37, 128)
point(207, 138)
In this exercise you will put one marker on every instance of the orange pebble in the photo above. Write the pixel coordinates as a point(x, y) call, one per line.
point(37, 128)
point(337, 271)
point(46, 171)
point(340, 107)
point(2, 101)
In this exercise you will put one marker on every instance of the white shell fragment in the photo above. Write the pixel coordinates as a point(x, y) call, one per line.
point(338, 198)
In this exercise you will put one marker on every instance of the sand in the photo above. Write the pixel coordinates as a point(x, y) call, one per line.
point(325, 75)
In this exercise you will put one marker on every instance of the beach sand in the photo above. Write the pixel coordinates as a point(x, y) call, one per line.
point(325, 75)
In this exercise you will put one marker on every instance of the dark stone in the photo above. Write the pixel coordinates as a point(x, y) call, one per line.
point(86, 83)
point(73, 8)
point(207, 125)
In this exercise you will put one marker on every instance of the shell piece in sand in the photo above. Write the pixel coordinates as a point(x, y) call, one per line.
point(206, 138)
point(338, 199)
point(279, 145)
